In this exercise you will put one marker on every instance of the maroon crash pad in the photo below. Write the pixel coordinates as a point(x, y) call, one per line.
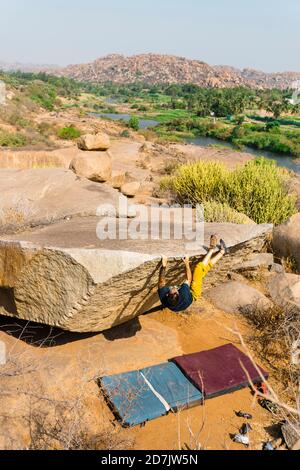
point(219, 371)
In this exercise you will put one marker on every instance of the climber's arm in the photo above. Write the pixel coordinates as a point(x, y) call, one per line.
point(189, 275)
point(162, 273)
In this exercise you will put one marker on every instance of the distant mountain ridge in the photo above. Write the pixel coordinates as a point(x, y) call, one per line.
point(156, 68)
point(32, 68)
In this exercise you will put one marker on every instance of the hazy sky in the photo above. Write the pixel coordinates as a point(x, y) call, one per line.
point(264, 34)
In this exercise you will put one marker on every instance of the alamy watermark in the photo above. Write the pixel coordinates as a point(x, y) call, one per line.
point(155, 222)
point(296, 95)
point(2, 93)
point(2, 353)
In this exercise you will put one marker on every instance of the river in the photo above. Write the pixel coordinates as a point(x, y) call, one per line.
point(291, 163)
point(144, 123)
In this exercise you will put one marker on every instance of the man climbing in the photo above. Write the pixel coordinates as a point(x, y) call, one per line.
point(180, 298)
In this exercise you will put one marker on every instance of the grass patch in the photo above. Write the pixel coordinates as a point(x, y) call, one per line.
point(14, 140)
point(69, 133)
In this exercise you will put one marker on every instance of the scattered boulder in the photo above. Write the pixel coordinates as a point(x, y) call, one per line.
point(94, 166)
point(99, 141)
point(277, 268)
point(285, 291)
point(235, 297)
point(286, 239)
point(131, 189)
point(291, 435)
point(254, 261)
point(118, 179)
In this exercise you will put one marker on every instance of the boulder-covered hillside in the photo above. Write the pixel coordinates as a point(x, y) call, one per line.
point(155, 68)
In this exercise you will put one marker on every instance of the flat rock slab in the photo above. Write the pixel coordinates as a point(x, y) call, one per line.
point(43, 195)
point(64, 276)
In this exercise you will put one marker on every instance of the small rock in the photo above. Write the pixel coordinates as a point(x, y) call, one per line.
point(276, 268)
point(118, 179)
point(130, 189)
point(99, 141)
point(291, 435)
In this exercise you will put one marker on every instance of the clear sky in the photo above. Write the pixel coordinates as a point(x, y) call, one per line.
point(263, 34)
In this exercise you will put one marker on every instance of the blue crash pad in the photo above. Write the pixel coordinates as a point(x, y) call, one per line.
point(133, 400)
point(171, 383)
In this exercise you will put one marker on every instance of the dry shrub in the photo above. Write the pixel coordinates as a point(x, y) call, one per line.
point(289, 264)
point(276, 332)
point(18, 214)
point(63, 426)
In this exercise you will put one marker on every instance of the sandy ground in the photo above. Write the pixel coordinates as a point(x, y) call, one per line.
point(68, 364)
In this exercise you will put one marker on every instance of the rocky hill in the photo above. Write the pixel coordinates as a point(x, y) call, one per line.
point(154, 68)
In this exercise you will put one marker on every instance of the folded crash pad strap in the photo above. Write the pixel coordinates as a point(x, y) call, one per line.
point(158, 395)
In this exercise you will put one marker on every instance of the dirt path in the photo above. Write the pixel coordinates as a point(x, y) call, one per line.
point(211, 424)
point(72, 361)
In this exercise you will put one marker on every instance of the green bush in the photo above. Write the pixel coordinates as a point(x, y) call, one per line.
point(197, 182)
point(8, 139)
point(69, 133)
point(259, 189)
point(134, 123)
point(221, 212)
point(125, 133)
point(43, 94)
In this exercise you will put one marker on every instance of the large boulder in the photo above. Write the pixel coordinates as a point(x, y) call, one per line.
point(286, 239)
point(97, 141)
point(285, 291)
point(236, 297)
point(95, 166)
point(68, 275)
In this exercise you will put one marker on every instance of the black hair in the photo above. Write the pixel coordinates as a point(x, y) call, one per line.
point(173, 299)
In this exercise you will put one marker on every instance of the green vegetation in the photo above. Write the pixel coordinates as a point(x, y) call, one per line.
point(260, 189)
point(125, 133)
point(221, 212)
point(134, 123)
point(43, 94)
point(182, 111)
point(9, 139)
point(69, 133)
point(263, 137)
